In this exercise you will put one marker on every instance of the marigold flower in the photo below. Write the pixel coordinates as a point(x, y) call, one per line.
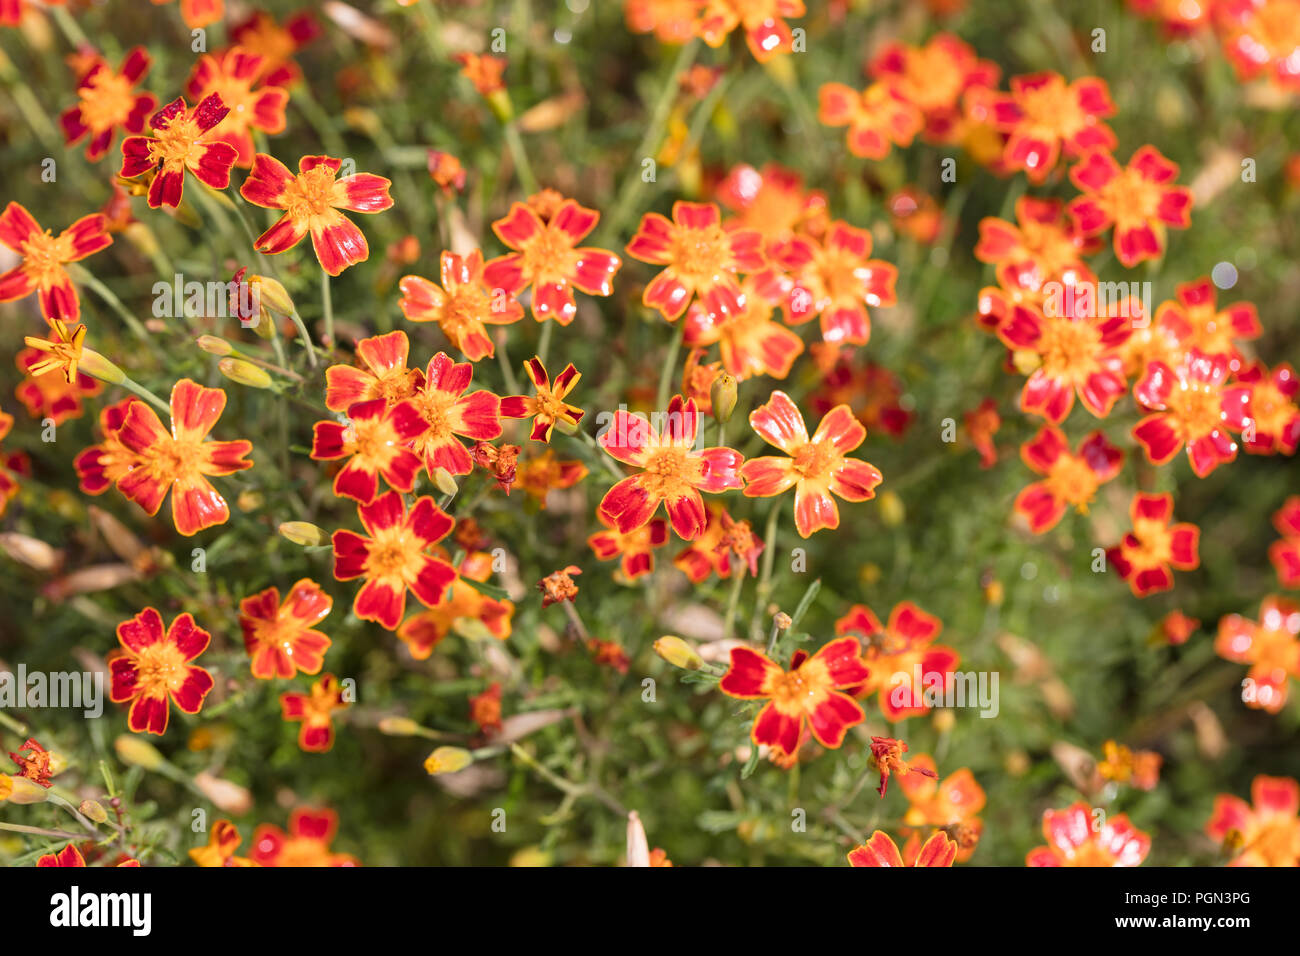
point(35, 767)
point(1140, 769)
point(547, 258)
point(817, 466)
point(1073, 840)
point(1077, 353)
point(376, 440)
point(1262, 405)
point(1136, 199)
point(1195, 319)
point(152, 667)
point(199, 13)
point(43, 257)
point(1045, 245)
point(235, 74)
point(878, 118)
point(1044, 115)
point(766, 32)
point(1146, 554)
point(750, 342)
point(446, 170)
point(49, 394)
point(311, 201)
point(1176, 627)
point(306, 844)
point(548, 406)
point(700, 258)
point(276, 43)
point(953, 802)
point(635, 550)
point(809, 693)
point(1068, 479)
point(485, 709)
point(448, 413)
point(315, 711)
point(836, 279)
point(422, 632)
point(182, 139)
point(671, 21)
point(1261, 37)
point(394, 557)
point(1284, 552)
point(181, 460)
point(772, 201)
point(916, 214)
point(280, 637)
point(1266, 833)
point(539, 476)
point(385, 374)
point(1189, 407)
point(706, 554)
point(887, 754)
point(982, 423)
point(897, 654)
point(100, 466)
point(559, 586)
point(609, 654)
point(671, 471)
point(62, 351)
point(502, 462)
point(934, 77)
point(106, 101)
point(220, 851)
point(1270, 645)
point(881, 850)
point(463, 307)
point(485, 72)
point(8, 464)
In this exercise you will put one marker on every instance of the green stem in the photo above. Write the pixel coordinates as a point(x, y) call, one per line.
point(670, 366)
point(733, 599)
point(544, 342)
point(147, 395)
point(517, 152)
point(327, 304)
point(86, 278)
point(765, 578)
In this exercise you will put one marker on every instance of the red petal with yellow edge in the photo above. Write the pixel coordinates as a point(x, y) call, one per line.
point(575, 221)
point(687, 515)
point(380, 602)
point(937, 851)
point(627, 437)
point(855, 480)
point(860, 619)
point(1147, 581)
point(668, 294)
point(814, 509)
point(366, 193)
point(1042, 451)
point(143, 630)
point(339, 244)
point(628, 505)
point(653, 241)
point(477, 416)
point(749, 675)
point(779, 423)
point(554, 300)
point(316, 737)
point(843, 661)
point(148, 715)
point(1152, 507)
point(124, 679)
point(188, 638)
point(88, 237)
point(358, 481)
point(723, 470)
point(880, 850)
point(430, 586)
point(17, 226)
point(421, 301)
point(293, 706)
point(831, 719)
point(594, 271)
point(386, 511)
point(197, 505)
point(225, 457)
point(913, 625)
point(351, 551)
point(1046, 396)
point(777, 729)
point(68, 856)
point(1183, 543)
point(189, 696)
point(1041, 508)
point(841, 428)
point(195, 409)
point(518, 226)
point(428, 522)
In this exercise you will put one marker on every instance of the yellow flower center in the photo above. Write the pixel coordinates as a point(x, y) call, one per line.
point(548, 256)
point(814, 459)
point(160, 668)
point(1073, 481)
point(1052, 110)
point(1153, 546)
point(671, 472)
point(1130, 199)
point(701, 255)
point(1197, 408)
point(394, 556)
point(106, 102)
point(1068, 349)
point(176, 144)
point(238, 95)
point(434, 407)
point(44, 255)
point(311, 195)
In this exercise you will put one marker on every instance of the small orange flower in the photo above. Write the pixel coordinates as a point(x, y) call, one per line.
point(220, 851)
point(385, 374)
point(153, 667)
point(422, 632)
point(1140, 769)
point(280, 638)
point(559, 586)
point(235, 75)
point(700, 259)
point(817, 466)
point(62, 351)
point(635, 550)
point(903, 658)
point(485, 709)
point(1262, 37)
point(315, 711)
point(276, 43)
point(766, 32)
point(1074, 840)
point(306, 844)
point(952, 804)
point(394, 558)
point(502, 462)
point(1176, 627)
point(450, 415)
point(182, 139)
point(548, 406)
point(49, 394)
point(609, 654)
point(878, 117)
point(1137, 200)
point(1044, 245)
point(311, 201)
point(539, 476)
point(484, 71)
point(772, 201)
point(548, 260)
point(199, 13)
point(1265, 834)
point(750, 342)
point(916, 214)
point(673, 472)
point(463, 306)
point(1147, 553)
point(43, 257)
point(35, 767)
point(107, 101)
point(881, 850)
point(376, 440)
point(1189, 407)
point(446, 170)
point(934, 78)
point(671, 21)
point(1045, 115)
point(1069, 479)
point(1271, 646)
point(982, 423)
point(1262, 404)
point(887, 753)
point(1196, 321)
point(809, 693)
point(182, 460)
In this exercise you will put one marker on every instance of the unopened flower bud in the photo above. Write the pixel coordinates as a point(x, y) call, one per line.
point(892, 512)
point(723, 394)
point(96, 366)
point(782, 621)
point(226, 796)
point(272, 296)
point(215, 345)
point(678, 653)
point(399, 727)
point(1026, 361)
point(91, 810)
point(139, 753)
point(245, 373)
point(26, 792)
point(444, 481)
point(304, 533)
point(448, 760)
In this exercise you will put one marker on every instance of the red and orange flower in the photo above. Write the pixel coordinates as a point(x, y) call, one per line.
point(816, 468)
point(450, 414)
point(809, 693)
point(223, 841)
point(315, 711)
point(881, 850)
point(181, 461)
point(1190, 408)
point(548, 406)
point(107, 101)
point(1069, 479)
point(280, 638)
point(463, 603)
point(1073, 840)
point(1262, 406)
point(635, 550)
point(878, 118)
point(1266, 833)
point(385, 374)
point(951, 804)
point(1147, 554)
point(749, 341)
point(903, 658)
point(182, 139)
point(1196, 321)
point(463, 307)
point(1285, 551)
point(312, 201)
point(154, 667)
point(43, 257)
point(1271, 646)
point(1044, 115)
point(1136, 199)
point(376, 440)
point(307, 843)
point(235, 75)
point(766, 32)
